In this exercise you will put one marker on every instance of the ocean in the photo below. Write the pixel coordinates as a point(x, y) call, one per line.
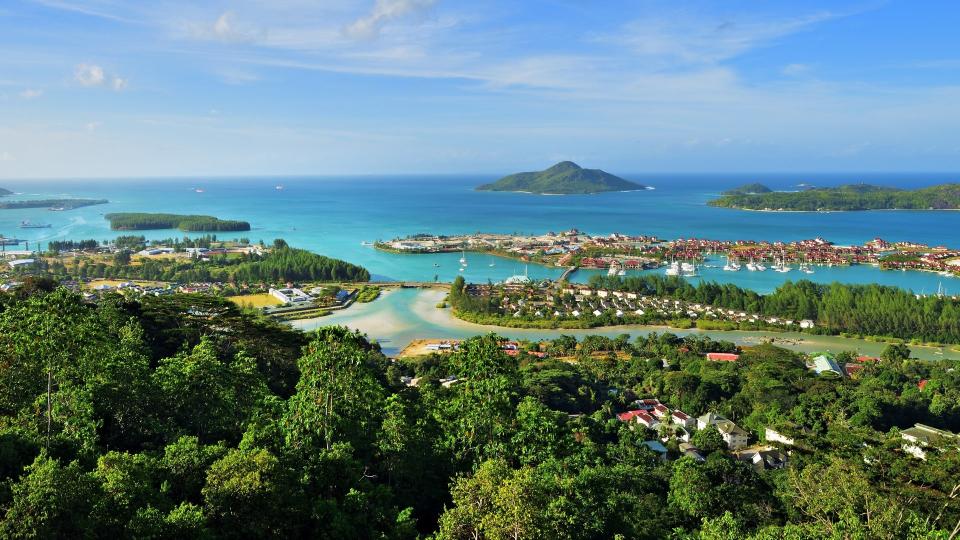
point(334, 215)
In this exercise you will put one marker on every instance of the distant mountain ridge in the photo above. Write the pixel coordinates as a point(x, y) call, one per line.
point(846, 198)
point(5, 192)
point(564, 178)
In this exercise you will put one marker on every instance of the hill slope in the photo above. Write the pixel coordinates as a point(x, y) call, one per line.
point(749, 189)
point(564, 178)
point(849, 197)
point(5, 192)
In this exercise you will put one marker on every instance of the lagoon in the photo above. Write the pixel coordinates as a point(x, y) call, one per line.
point(400, 316)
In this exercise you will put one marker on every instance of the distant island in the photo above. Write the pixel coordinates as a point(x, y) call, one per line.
point(51, 204)
point(134, 221)
point(844, 198)
point(749, 189)
point(5, 192)
point(564, 178)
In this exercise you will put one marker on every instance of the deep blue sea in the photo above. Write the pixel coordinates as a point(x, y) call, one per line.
point(333, 215)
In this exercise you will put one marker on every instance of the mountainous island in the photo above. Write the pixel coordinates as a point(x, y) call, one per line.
point(5, 192)
point(564, 178)
point(843, 198)
point(136, 221)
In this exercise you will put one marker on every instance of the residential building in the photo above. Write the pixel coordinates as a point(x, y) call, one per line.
point(732, 434)
point(921, 438)
point(823, 364)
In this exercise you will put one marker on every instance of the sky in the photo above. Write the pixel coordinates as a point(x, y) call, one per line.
point(114, 88)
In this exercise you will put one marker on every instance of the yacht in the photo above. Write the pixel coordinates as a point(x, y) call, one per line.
point(760, 267)
point(751, 266)
point(689, 270)
point(463, 258)
point(673, 269)
point(614, 268)
point(731, 266)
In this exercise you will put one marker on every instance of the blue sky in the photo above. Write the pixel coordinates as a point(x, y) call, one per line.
point(102, 88)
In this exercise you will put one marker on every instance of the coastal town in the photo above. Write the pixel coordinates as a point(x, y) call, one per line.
point(619, 253)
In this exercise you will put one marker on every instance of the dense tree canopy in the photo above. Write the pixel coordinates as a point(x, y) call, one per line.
point(182, 417)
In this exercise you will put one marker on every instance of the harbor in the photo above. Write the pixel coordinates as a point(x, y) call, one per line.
point(619, 253)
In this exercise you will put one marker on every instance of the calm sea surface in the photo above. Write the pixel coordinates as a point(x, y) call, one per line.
point(333, 216)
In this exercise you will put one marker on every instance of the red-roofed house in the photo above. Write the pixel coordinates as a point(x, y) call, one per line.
point(646, 404)
point(722, 357)
point(922, 384)
point(863, 359)
point(640, 417)
point(852, 369)
point(646, 420)
point(681, 418)
point(661, 411)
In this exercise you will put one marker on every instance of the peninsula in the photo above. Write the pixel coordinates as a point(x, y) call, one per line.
point(134, 221)
point(843, 198)
point(564, 178)
point(51, 204)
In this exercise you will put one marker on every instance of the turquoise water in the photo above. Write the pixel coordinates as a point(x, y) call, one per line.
point(334, 215)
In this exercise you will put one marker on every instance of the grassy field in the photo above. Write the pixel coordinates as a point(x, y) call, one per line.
point(255, 300)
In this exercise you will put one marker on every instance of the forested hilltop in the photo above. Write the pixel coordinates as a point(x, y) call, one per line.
point(133, 221)
point(564, 178)
point(848, 197)
point(182, 417)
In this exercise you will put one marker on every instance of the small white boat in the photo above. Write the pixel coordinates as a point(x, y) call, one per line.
point(673, 269)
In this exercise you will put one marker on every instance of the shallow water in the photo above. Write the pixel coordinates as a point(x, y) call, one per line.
point(403, 315)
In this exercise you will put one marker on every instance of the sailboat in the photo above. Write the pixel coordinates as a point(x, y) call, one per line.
point(731, 266)
point(463, 258)
point(673, 269)
point(492, 264)
point(689, 270)
point(752, 266)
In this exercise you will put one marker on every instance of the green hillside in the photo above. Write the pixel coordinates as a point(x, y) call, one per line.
point(564, 178)
point(848, 197)
point(749, 189)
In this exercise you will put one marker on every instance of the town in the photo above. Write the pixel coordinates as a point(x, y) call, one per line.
point(619, 252)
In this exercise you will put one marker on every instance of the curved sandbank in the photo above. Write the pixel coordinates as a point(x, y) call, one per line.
point(400, 316)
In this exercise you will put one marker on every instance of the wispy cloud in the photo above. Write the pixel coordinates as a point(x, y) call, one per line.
point(687, 38)
point(31, 93)
point(6, 156)
point(101, 10)
point(384, 11)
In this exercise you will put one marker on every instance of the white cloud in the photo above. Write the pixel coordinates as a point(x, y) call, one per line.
point(31, 93)
point(92, 75)
point(6, 156)
point(89, 75)
point(93, 126)
point(370, 25)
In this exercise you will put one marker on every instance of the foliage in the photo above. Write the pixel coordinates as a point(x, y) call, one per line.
point(848, 197)
point(139, 221)
point(183, 417)
point(563, 178)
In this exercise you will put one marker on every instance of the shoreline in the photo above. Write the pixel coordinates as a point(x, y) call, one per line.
point(395, 323)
